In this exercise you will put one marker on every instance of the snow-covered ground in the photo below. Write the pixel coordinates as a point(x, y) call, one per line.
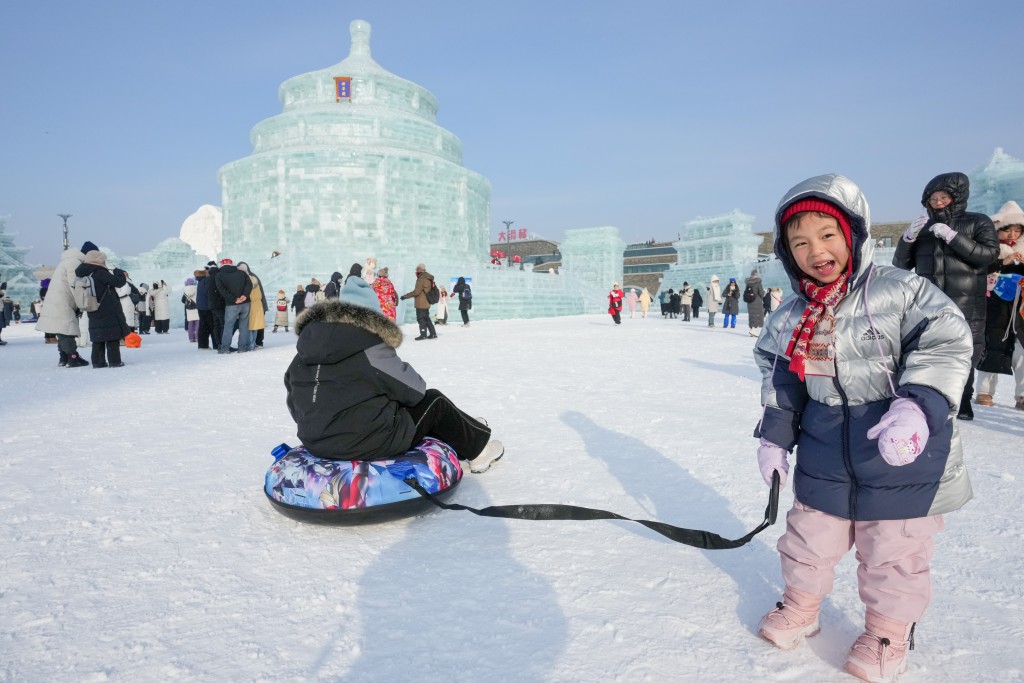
point(136, 543)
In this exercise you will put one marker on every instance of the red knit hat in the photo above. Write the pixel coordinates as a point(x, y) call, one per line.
point(226, 262)
point(802, 205)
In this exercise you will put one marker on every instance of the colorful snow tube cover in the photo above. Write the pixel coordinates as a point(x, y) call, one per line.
point(305, 487)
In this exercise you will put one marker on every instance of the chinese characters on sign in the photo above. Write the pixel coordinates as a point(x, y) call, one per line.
point(513, 234)
point(342, 88)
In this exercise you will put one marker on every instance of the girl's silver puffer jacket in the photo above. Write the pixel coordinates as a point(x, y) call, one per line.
point(893, 330)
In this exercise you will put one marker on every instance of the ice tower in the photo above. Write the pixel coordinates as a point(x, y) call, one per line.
point(22, 285)
point(355, 165)
point(996, 183)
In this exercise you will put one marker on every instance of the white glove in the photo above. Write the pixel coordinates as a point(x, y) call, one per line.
point(944, 232)
point(911, 233)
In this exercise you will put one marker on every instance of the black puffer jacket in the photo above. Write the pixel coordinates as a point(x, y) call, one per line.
point(233, 283)
point(347, 387)
point(460, 287)
point(107, 323)
point(958, 268)
point(213, 296)
point(333, 288)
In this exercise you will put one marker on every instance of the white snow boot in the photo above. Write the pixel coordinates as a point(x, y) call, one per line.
point(491, 454)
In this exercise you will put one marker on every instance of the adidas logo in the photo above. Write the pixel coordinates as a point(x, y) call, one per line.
point(871, 334)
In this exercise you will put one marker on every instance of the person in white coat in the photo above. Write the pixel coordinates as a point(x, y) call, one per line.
point(713, 300)
point(60, 315)
point(161, 307)
point(441, 316)
point(124, 295)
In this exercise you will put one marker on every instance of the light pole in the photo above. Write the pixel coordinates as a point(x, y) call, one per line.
point(508, 240)
point(65, 216)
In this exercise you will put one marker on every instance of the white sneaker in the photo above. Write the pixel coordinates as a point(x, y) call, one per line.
point(491, 454)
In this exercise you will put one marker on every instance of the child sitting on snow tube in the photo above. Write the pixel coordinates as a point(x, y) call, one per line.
point(353, 398)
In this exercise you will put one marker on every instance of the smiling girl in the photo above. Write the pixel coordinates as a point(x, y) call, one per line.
point(862, 373)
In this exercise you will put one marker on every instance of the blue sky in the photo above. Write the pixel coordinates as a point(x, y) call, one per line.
point(642, 115)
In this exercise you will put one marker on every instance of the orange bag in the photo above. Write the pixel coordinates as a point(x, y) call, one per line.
point(133, 340)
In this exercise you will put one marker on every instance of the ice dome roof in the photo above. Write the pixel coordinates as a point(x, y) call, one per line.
point(372, 84)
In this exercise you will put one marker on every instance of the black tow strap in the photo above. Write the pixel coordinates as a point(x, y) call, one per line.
point(693, 537)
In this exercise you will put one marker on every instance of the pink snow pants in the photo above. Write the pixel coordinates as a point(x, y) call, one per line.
point(893, 555)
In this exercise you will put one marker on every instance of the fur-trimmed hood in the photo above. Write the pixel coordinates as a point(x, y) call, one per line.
point(337, 311)
point(1008, 214)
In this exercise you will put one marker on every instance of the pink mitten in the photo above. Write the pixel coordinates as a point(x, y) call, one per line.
point(911, 233)
point(943, 231)
point(902, 432)
point(770, 458)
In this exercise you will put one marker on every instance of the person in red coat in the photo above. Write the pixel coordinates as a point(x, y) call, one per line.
point(615, 303)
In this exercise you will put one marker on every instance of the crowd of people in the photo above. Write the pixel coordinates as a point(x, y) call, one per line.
point(225, 305)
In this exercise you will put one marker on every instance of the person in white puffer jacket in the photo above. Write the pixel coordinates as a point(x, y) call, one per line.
point(60, 316)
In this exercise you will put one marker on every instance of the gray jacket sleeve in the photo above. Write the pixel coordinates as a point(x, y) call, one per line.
point(401, 382)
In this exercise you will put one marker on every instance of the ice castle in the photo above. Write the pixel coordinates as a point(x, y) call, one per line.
point(22, 285)
point(723, 245)
point(355, 165)
point(996, 183)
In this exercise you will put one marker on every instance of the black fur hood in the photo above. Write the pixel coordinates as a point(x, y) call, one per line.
point(337, 311)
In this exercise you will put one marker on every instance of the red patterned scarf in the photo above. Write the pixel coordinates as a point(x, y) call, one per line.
point(812, 349)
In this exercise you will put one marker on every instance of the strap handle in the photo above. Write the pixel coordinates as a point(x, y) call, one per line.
point(692, 537)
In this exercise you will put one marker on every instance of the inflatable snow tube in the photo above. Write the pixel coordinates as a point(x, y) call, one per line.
point(311, 489)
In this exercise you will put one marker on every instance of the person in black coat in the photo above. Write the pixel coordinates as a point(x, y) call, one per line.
point(353, 398)
point(697, 302)
point(234, 287)
point(1004, 324)
point(464, 293)
point(207, 327)
point(333, 288)
point(953, 248)
point(216, 303)
point(107, 326)
point(299, 300)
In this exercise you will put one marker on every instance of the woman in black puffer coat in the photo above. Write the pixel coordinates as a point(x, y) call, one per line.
point(953, 248)
point(107, 326)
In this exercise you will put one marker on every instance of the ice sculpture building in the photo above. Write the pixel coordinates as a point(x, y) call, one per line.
point(355, 165)
point(22, 285)
point(723, 245)
point(996, 183)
